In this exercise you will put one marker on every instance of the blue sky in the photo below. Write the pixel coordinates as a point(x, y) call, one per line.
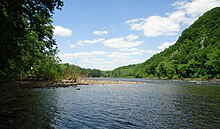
point(106, 34)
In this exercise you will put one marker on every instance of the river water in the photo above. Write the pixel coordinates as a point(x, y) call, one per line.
point(154, 104)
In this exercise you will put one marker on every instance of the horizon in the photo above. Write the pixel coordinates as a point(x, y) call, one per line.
point(107, 35)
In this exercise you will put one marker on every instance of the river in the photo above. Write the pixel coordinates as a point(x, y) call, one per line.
point(154, 104)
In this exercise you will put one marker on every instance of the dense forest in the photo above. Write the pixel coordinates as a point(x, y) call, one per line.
point(27, 47)
point(195, 54)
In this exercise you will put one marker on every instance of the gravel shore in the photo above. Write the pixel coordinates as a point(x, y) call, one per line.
point(67, 83)
point(102, 82)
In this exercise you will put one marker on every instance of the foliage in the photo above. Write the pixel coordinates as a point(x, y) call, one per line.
point(72, 72)
point(27, 47)
point(28, 50)
point(26, 37)
point(195, 54)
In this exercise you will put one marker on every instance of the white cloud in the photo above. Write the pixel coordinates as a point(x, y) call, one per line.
point(177, 16)
point(72, 45)
point(123, 58)
point(136, 24)
point(98, 53)
point(159, 26)
point(137, 51)
point(123, 42)
point(134, 20)
point(196, 8)
point(82, 55)
point(156, 26)
point(185, 13)
point(100, 32)
point(120, 42)
point(61, 31)
point(151, 51)
point(179, 3)
point(134, 51)
point(79, 55)
point(132, 37)
point(165, 45)
point(104, 60)
point(88, 42)
point(129, 49)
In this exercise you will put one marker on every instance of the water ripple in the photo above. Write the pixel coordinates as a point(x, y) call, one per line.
point(156, 104)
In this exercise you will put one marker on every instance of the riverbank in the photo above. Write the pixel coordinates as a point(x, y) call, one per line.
point(66, 83)
point(39, 84)
point(90, 81)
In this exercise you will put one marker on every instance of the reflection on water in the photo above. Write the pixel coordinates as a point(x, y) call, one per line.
point(25, 108)
point(155, 104)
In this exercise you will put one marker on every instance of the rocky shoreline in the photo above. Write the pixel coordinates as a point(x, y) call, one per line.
point(83, 81)
point(103, 82)
point(67, 83)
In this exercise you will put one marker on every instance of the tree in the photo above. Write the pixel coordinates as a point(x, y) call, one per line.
point(26, 34)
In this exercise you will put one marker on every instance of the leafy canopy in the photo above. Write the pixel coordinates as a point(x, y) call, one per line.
point(26, 35)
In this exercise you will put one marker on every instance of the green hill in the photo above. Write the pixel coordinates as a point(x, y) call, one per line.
point(196, 54)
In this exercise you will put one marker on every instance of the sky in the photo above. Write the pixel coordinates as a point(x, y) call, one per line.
point(106, 34)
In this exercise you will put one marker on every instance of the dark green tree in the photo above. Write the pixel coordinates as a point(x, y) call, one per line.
point(26, 35)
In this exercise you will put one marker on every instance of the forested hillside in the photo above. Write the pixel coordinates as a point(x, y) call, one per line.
point(196, 54)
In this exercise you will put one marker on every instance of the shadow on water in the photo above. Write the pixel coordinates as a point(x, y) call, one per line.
point(25, 108)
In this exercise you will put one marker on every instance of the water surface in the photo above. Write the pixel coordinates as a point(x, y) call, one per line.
point(154, 104)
